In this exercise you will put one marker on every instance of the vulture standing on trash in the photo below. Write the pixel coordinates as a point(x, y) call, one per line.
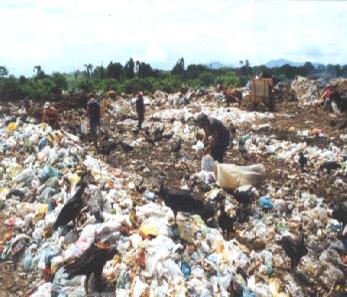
point(91, 261)
point(225, 222)
point(107, 148)
point(340, 213)
point(183, 200)
point(302, 160)
point(71, 208)
point(126, 147)
point(294, 248)
point(330, 165)
point(177, 146)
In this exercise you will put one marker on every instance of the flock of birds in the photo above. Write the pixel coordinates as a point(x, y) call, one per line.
point(91, 262)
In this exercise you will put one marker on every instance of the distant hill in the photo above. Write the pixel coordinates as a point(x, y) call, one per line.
point(281, 62)
point(218, 65)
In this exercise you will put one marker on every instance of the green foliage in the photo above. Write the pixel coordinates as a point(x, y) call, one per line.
point(138, 84)
point(85, 84)
point(114, 70)
point(228, 80)
point(170, 84)
point(178, 69)
point(109, 84)
point(129, 69)
point(10, 89)
point(3, 71)
point(40, 74)
point(136, 76)
point(206, 78)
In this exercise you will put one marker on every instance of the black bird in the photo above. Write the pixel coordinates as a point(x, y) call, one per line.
point(225, 222)
point(15, 192)
point(329, 165)
point(91, 261)
point(183, 200)
point(126, 147)
point(177, 146)
point(71, 208)
point(302, 161)
point(340, 213)
point(244, 196)
point(235, 289)
point(158, 132)
point(294, 248)
point(107, 147)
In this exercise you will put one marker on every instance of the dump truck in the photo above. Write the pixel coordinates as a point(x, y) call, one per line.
point(259, 96)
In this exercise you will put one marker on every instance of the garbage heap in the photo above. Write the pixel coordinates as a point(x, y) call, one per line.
point(308, 91)
point(39, 173)
point(283, 92)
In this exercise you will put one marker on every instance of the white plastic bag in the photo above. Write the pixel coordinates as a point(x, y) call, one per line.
point(199, 146)
point(207, 163)
point(85, 126)
point(230, 176)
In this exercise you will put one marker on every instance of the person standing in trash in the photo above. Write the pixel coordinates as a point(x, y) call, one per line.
point(50, 116)
point(140, 109)
point(93, 114)
point(217, 137)
point(327, 97)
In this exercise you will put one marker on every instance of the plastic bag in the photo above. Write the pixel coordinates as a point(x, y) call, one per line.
point(85, 126)
point(207, 163)
point(199, 146)
point(11, 127)
point(48, 172)
point(265, 202)
point(26, 174)
point(230, 176)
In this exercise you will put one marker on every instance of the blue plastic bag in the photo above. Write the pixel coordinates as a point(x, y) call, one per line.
point(42, 143)
point(48, 172)
point(186, 270)
point(265, 202)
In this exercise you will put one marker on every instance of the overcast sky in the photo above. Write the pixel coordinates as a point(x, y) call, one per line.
point(63, 35)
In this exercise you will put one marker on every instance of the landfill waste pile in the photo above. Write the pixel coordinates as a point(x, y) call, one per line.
point(308, 91)
point(283, 91)
point(269, 221)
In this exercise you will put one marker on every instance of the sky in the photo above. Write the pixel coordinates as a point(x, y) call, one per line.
point(63, 35)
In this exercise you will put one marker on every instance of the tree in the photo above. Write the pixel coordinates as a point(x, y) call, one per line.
point(178, 69)
point(59, 84)
point(76, 74)
point(40, 74)
point(10, 90)
point(308, 69)
point(85, 85)
point(129, 69)
point(228, 80)
point(3, 71)
point(89, 69)
point(99, 72)
point(194, 71)
point(145, 70)
point(207, 78)
point(114, 70)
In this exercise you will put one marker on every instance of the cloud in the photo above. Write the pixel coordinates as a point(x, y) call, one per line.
point(64, 35)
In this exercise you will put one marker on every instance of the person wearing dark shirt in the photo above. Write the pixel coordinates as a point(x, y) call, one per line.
point(93, 114)
point(216, 134)
point(140, 109)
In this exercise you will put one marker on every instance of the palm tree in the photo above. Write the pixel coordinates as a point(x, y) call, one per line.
point(89, 69)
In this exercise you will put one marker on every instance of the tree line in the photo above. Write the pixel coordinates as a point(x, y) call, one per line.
point(135, 75)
